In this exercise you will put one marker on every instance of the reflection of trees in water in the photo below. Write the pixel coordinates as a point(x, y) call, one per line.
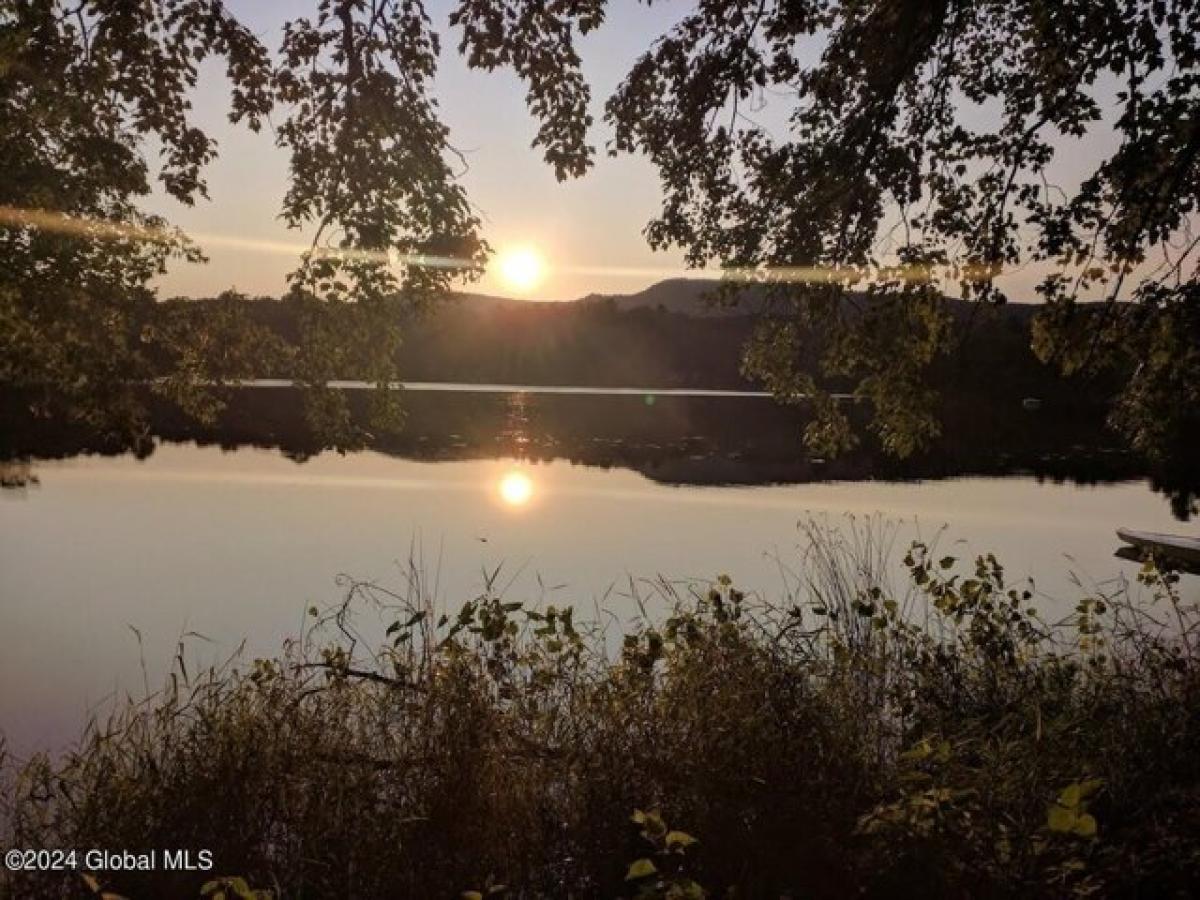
point(16, 474)
point(676, 440)
point(515, 432)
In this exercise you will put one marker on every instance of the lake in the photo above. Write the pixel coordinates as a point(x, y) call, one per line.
point(233, 531)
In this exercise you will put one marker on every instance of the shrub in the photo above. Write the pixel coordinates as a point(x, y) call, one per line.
point(940, 739)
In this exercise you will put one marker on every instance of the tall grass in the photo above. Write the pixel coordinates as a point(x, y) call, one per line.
point(851, 737)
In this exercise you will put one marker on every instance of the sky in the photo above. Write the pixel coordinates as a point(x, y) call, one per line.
point(588, 231)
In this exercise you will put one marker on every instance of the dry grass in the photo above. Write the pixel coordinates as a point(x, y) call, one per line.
point(852, 737)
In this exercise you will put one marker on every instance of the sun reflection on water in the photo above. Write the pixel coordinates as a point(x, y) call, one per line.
point(515, 489)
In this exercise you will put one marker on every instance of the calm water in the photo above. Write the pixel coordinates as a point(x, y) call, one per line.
point(236, 543)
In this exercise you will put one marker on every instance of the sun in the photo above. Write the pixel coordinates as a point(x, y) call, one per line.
point(521, 268)
point(516, 488)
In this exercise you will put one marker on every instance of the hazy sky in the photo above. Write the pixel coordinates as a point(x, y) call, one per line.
point(587, 230)
point(593, 223)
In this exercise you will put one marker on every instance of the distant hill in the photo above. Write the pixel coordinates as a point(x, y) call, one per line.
point(690, 296)
point(666, 336)
point(593, 341)
point(696, 297)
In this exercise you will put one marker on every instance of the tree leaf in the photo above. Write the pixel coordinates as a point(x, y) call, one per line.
point(1085, 825)
point(1060, 819)
point(679, 839)
point(1089, 786)
point(641, 868)
point(1071, 796)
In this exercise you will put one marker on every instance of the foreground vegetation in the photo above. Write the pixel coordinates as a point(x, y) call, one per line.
point(938, 740)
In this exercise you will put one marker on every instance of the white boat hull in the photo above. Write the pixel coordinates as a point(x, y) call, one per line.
point(1173, 547)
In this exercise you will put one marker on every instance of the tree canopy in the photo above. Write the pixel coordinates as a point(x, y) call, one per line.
point(911, 152)
point(87, 88)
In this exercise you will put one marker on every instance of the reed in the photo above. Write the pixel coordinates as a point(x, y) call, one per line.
point(852, 736)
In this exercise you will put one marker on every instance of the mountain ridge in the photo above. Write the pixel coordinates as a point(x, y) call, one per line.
point(691, 296)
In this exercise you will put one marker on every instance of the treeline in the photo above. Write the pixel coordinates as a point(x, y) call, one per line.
point(642, 341)
point(478, 339)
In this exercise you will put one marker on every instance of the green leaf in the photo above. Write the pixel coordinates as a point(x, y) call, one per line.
point(239, 887)
point(641, 868)
point(1071, 796)
point(679, 839)
point(1085, 826)
point(471, 895)
point(1060, 819)
point(686, 890)
point(1089, 787)
point(653, 826)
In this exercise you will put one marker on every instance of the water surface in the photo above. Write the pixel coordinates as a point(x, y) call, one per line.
point(234, 541)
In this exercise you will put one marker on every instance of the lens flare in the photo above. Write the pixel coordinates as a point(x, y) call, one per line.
point(98, 229)
point(521, 269)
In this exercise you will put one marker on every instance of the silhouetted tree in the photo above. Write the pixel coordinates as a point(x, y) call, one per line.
point(915, 153)
point(87, 85)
